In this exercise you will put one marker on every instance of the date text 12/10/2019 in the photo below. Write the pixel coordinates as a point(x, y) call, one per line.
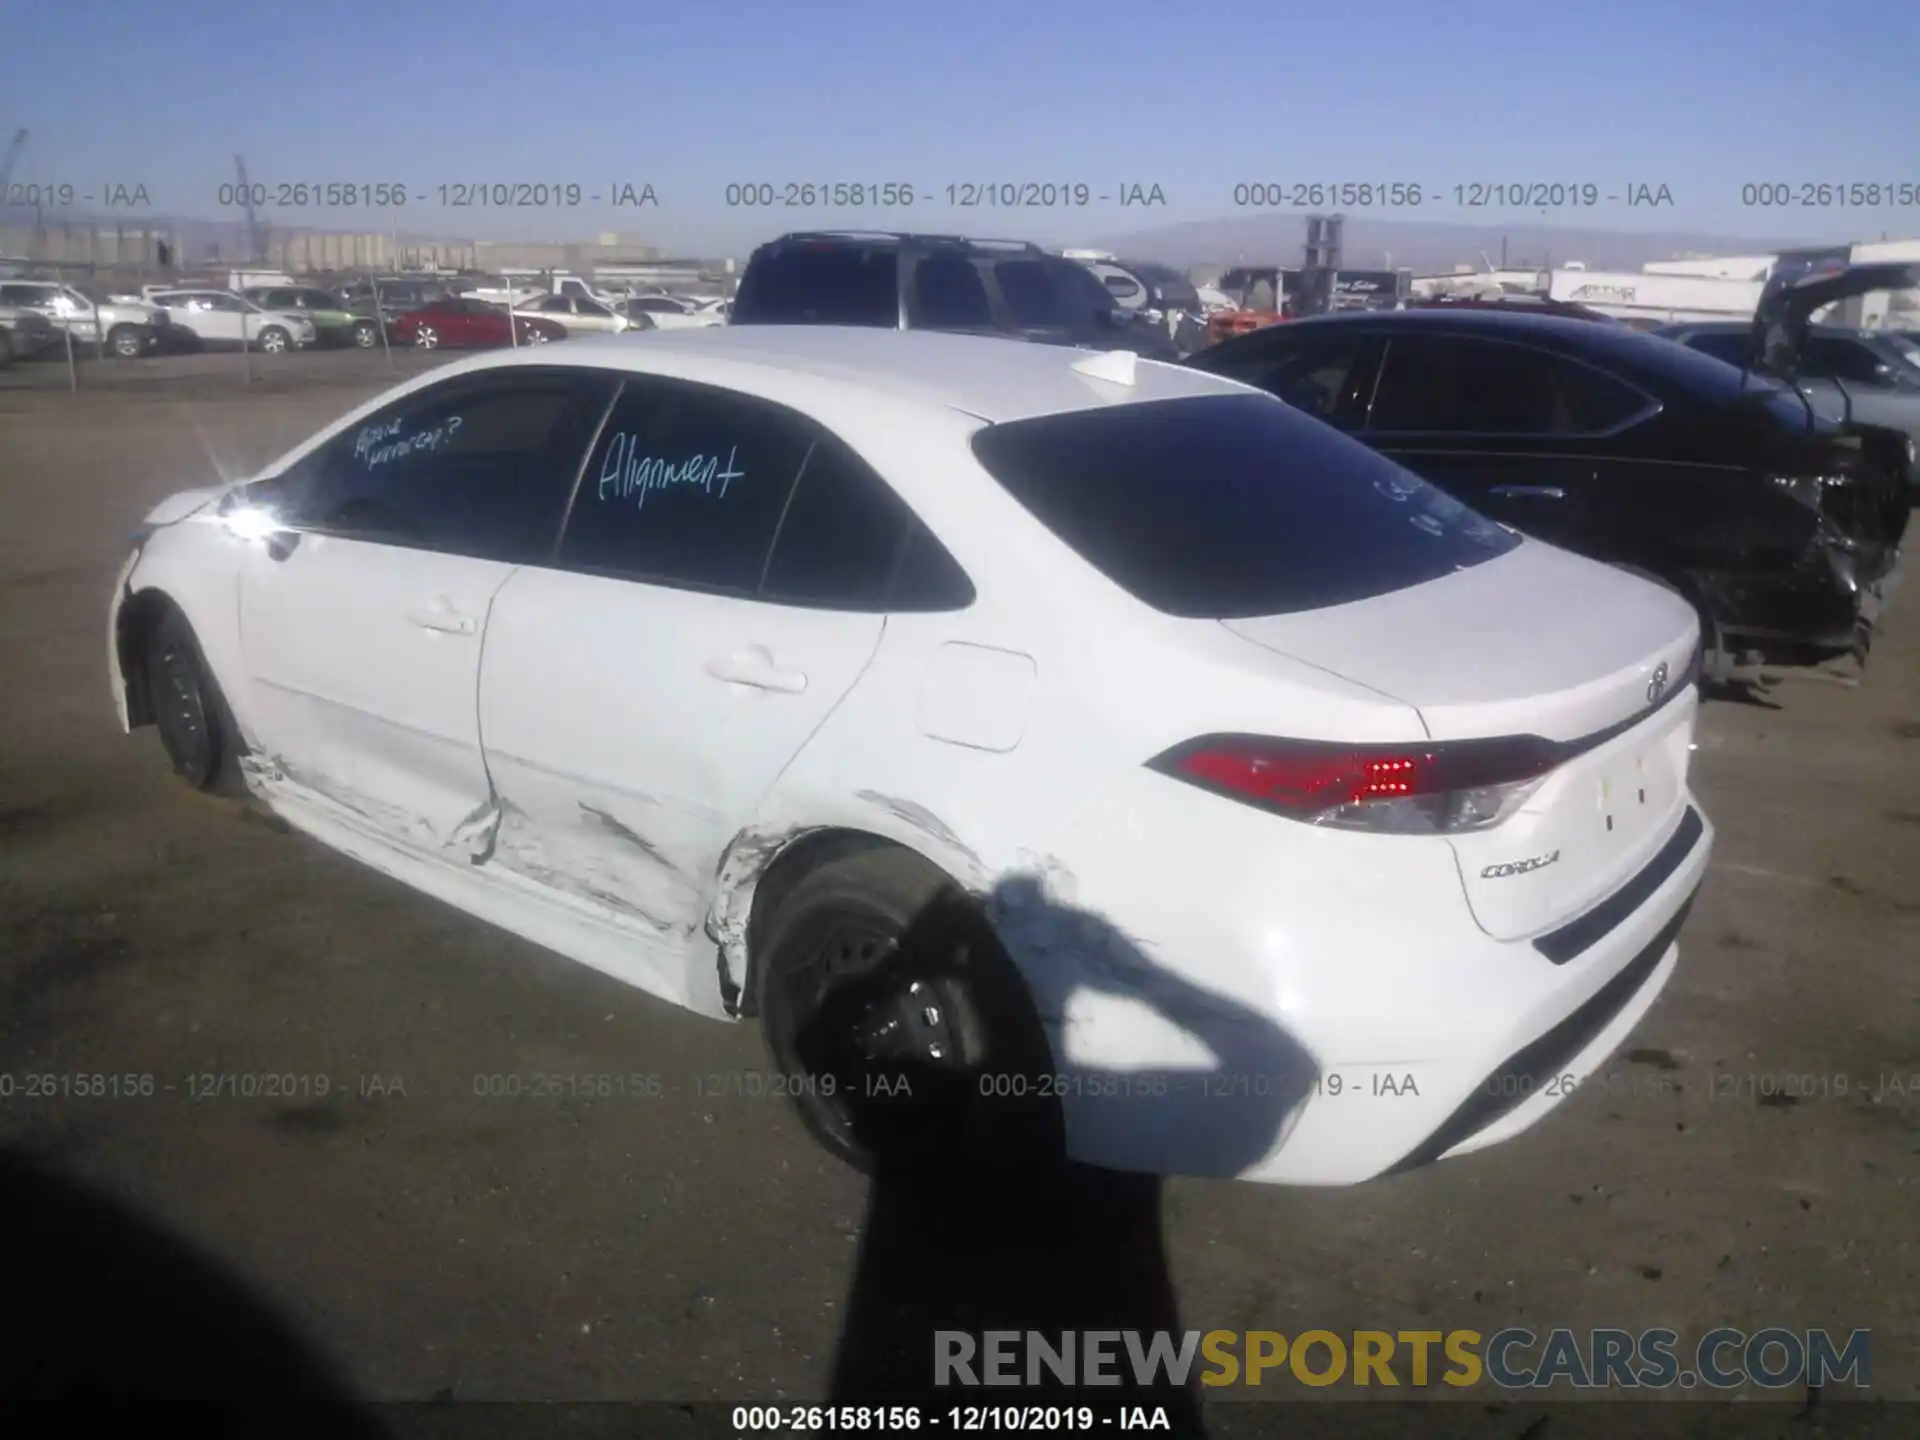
point(961, 195)
point(958, 1419)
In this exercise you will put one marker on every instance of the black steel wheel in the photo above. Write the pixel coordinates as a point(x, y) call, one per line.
point(897, 1023)
point(187, 706)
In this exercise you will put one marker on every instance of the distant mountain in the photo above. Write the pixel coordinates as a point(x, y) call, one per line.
point(1425, 247)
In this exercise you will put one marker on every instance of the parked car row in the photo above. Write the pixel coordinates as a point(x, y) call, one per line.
point(428, 314)
point(1779, 519)
point(124, 327)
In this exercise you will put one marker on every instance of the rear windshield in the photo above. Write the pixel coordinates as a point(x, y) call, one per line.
point(1227, 506)
point(841, 285)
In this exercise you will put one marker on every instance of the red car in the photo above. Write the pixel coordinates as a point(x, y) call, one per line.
point(460, 323)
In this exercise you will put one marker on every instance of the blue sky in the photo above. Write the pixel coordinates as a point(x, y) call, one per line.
point(1698, 95)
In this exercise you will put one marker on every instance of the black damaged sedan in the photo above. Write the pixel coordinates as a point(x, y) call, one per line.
point(1781, 526)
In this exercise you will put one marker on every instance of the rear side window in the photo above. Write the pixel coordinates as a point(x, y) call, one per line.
point(1465, 385)
point(1229, 506)
point(686, 486)
point(849, 542)
point(837, 285)
point(480, 468)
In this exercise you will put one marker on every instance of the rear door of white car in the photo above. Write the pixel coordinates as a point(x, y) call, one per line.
point(720, 587)
point(363, 618)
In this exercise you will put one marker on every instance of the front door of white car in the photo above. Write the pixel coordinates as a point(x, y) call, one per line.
point(704, 616)
point(364, 607)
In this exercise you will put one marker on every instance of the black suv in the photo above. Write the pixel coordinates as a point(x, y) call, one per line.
point(938, 282)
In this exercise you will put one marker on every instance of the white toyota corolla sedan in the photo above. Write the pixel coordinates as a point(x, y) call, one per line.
point(1043, 745)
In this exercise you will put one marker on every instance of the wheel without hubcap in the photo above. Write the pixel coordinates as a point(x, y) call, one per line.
point(897, 1022)
point(187, 708)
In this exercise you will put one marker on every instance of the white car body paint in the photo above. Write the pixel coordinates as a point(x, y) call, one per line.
point(632, 785)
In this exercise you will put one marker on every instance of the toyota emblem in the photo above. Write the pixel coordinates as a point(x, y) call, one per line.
point(1657, 685)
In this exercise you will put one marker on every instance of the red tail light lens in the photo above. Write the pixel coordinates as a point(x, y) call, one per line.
point(1413, 789)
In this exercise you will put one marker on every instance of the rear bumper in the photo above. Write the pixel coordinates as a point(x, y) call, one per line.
point(1299, 1006)
point(1832, 603)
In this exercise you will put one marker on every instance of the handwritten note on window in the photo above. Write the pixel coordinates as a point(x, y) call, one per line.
point(627, 474)
point(377, 445)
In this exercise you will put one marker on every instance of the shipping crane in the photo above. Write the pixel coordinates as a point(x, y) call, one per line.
point(13, 154)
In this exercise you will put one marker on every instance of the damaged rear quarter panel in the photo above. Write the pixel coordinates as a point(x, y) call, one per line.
point(974, 814)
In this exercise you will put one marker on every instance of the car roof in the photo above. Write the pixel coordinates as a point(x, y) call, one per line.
point(1655, 359)
point(990, 378)
point(902, 239)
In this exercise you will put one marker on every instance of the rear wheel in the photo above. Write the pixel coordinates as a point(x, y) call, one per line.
point(365, 337)
point(127, 341)
point(189, 711)
point(897, 1022)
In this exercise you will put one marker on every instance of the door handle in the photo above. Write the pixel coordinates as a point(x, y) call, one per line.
point(755, 667)
point(1530, 492)
point(440, 615)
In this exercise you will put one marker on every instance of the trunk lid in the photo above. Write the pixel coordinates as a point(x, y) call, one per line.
point(1538, 642)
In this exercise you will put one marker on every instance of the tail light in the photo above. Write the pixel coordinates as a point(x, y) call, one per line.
point(1445, 788)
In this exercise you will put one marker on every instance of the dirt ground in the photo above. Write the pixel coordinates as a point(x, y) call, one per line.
point(431, 1241)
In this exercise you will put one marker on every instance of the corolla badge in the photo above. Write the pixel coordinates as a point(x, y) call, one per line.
point(1657, 684)
point(1519, 867)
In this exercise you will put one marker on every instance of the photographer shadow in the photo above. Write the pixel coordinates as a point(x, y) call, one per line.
point(1019, 1234)
point(107, 1315)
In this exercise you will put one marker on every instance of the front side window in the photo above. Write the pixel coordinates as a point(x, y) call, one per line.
point(472, 467)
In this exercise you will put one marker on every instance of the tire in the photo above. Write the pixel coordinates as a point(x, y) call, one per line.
point(128, 342)
point(196, 728)
point(365, 336)
point(890, 1010)
point(6, 349)
point(274, 340)
point(427, 338)
point(536, 337)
